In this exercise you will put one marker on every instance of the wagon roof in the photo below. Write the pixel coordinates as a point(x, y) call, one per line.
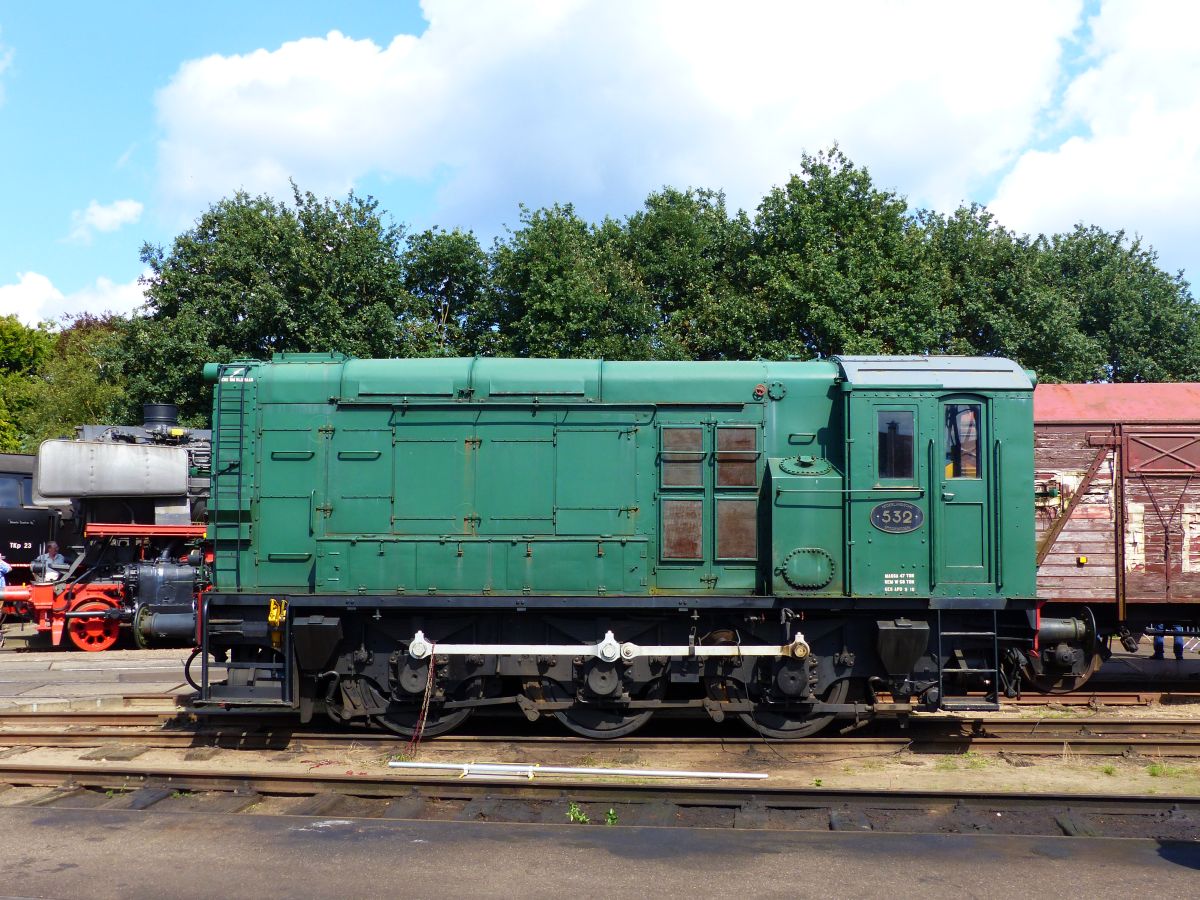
point(1069, 403)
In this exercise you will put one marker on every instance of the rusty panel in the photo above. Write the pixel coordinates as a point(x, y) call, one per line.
point(682, 457)
point(682, 529)
point(1175, 452)
point(737, 529)
point(737, 461)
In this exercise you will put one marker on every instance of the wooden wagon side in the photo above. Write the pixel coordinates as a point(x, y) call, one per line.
point(1117, 481)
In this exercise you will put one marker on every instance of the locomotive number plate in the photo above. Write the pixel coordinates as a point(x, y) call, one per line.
point(897, 516)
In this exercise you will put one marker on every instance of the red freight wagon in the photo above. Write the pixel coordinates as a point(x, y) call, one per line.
point(1117, 480)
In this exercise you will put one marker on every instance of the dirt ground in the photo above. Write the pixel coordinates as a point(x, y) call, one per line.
point(785, 764)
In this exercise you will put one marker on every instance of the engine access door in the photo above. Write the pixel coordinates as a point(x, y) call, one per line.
point(964, 498)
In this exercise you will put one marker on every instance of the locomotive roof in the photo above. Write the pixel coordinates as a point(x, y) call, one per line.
point(614, 382)
point(1111, 403)
point(955, 373)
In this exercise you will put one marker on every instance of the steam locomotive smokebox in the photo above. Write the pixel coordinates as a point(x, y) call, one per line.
point(154, 414)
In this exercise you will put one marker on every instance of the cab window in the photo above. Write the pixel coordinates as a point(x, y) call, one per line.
point(962, 440)
point(895, 429)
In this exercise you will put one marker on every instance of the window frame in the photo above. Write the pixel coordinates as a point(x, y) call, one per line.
point(913, 411)
point(947, 461)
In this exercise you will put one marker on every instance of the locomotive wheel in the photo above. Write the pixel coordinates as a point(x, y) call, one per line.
point(93, 635)
point(773, 721)
point(402, 720)
point(601, 723)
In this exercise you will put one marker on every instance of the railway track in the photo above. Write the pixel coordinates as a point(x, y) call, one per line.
point(341, 800)
point(148, 729)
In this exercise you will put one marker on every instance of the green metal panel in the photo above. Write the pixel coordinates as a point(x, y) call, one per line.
point(514, 478)
point(290, 482)
point(434, 467)
point(595, 480)
point(885, 563)
point(805, 503)
point(466, 567)
point(359, 481)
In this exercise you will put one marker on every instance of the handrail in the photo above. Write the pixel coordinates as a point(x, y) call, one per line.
point(999, 514)
point(933, 537)
point(919, 491)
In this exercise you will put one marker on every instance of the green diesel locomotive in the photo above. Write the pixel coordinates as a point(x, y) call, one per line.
point(407, 541)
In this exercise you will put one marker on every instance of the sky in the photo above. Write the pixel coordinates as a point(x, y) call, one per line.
point(121, 123)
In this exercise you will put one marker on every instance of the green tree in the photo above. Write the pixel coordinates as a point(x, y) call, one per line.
point(1145, 322)
point(446, 273)
point(991, 297)
point(562, 287)
point(690, 257)
point(254, 277)
point(23, 350)
point(835, 266)
point(73, 386)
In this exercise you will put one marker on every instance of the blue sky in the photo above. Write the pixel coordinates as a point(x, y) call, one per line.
point(121, 124)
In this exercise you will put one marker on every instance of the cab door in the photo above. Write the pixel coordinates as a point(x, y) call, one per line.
point(964, 496)
point(887, 500)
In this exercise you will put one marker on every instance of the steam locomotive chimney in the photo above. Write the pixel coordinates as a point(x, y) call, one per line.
point(155, 414)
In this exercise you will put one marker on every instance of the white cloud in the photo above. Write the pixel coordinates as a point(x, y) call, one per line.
point(1134, 162)
point(601, 101)
point(103, 217)
point(34, 298)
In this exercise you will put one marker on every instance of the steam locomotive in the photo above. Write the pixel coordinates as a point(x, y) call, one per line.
point(132, 500)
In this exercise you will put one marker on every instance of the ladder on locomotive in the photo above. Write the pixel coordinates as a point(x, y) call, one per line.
point(261, 681)
point(228, 503)
point(988, 642)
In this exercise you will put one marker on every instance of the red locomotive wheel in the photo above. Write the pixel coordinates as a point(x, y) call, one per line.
point(93, 635)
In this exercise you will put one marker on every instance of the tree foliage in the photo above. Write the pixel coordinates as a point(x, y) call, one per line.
point(71, 385)
point(828, 263)
point(254, 277)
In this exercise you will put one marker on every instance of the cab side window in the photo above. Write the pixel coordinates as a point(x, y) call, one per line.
point(895, 428)
point(962, 440)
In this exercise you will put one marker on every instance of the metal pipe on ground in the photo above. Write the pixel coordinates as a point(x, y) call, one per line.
point(526, 770)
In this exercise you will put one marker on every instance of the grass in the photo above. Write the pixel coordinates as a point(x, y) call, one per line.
point(1162, 770)
point(968, 760)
